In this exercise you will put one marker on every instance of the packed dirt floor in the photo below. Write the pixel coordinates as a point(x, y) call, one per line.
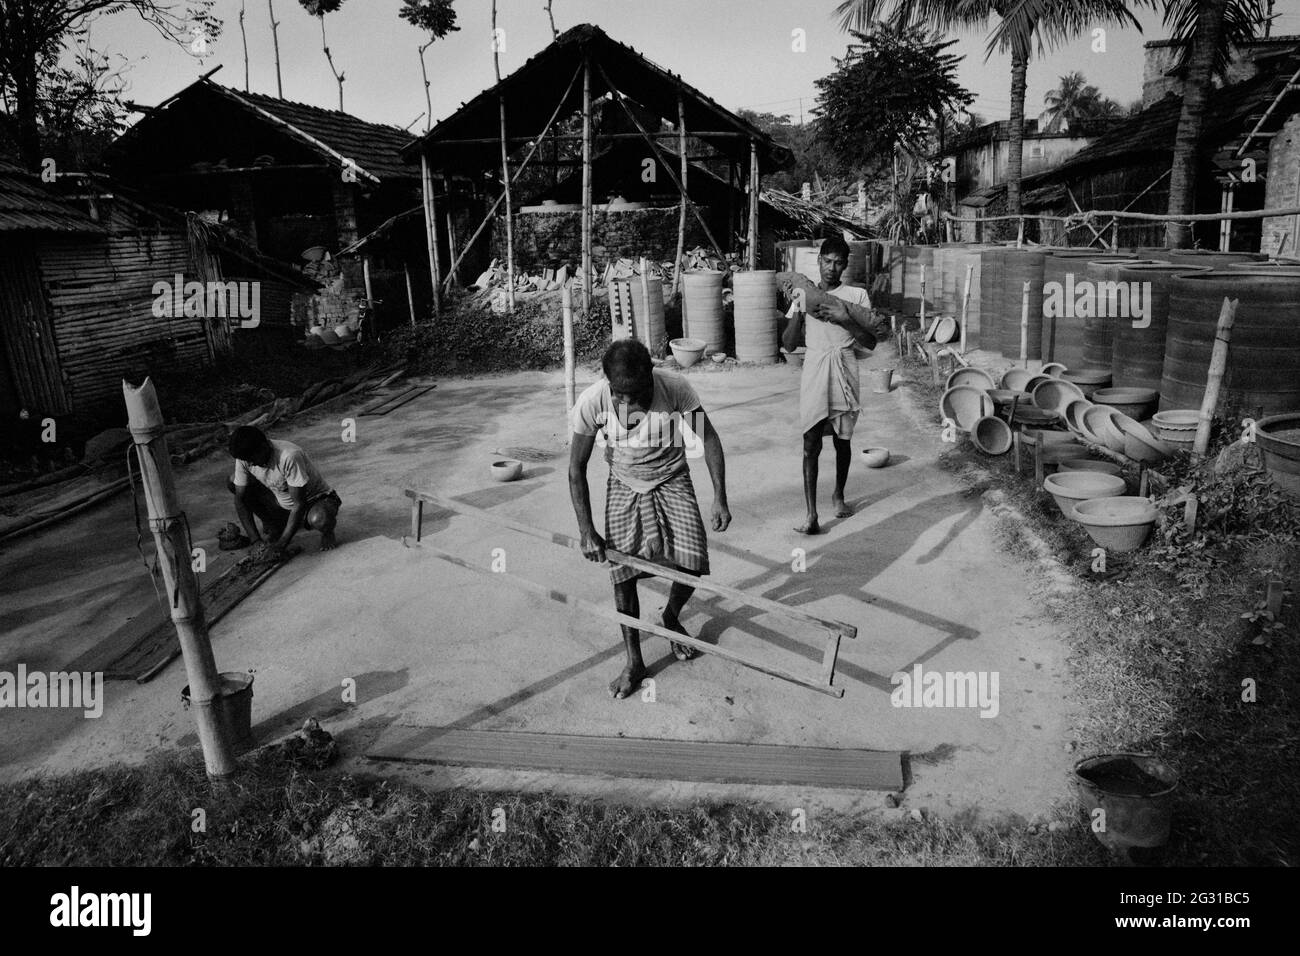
point(917, 569)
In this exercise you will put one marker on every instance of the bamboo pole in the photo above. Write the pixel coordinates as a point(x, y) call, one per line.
point(275, 40)
point(452, 274)
point(171, 538)
point(505, 171)
point(370, 292)
point(586, 186)
point(570, 386)
point(681, 218)
point(965, 303)
point(410, 294)
point(1218, 363)
point(751, 240)
point(431, 232)
point(1024, 326)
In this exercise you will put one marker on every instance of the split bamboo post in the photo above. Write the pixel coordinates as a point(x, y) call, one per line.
point(171, 538)
point(431, 232)
point(586, 186)
point(751, 240)
point(923, 329)
point(410, 294)
point(1020, 233)
point(1218, 363)
point(1024, 326)
point(370, 292)
point(570, 388)
point(510, 218)
point(453, 273)
point(965, 303)
point(681, 217)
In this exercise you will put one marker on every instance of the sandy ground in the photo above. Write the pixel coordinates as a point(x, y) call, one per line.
point(916, 569)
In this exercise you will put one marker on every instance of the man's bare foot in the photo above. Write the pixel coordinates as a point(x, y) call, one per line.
point(328, 542)
point(683, 652)
point(842, 509)
point(626, 683)
point(810, 526)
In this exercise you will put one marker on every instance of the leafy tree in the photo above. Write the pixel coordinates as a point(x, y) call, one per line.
point(812, 158)
point(35, 33)
point(885, 94)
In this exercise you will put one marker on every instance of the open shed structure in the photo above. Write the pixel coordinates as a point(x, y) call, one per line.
point(548, 112)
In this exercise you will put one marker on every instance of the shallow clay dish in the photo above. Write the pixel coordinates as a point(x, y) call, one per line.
point(965, 405)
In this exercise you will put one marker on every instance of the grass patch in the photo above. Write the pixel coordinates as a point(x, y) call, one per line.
point(276, 814)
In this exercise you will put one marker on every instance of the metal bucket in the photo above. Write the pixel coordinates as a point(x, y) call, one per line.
point(1136, 793)
point(236, 699)
point(880, 379)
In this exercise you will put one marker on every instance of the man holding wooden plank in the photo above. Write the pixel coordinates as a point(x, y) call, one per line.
point(645, 417)
point(831, 319)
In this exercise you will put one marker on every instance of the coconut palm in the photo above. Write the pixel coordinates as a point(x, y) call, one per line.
point(1048, 22)
point(1074, 102)
point(1208, 30)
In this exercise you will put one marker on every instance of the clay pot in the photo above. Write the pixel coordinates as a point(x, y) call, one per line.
point(1005, 396)
point(508, 469)
point(1073, 414)
point(1091, 464)
point(718, 357)
point(1100, 426)
point(965, 405)
point(1068, 488)
point(1088, 380)
point(1133, 402)
point(687, 351)
point(970, 376)
point(991, 435)
point(1055, 394)
point(1141, 445)
point(1139, 815)
point(1279, 440)
point(1054, 369)
point(1177, 424)
point(1016, 379)
point(875, 457)
point(1117, 523)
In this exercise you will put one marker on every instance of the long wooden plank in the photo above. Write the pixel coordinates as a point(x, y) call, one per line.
point(396, 400)
point(689, 760)
point(753, 600)
point(600, 610)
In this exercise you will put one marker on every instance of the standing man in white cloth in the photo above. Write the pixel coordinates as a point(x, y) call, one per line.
point(830, 321)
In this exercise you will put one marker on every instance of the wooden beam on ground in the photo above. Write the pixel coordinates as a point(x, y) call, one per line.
point(659, 570)
point(645, 627)
point(639, 757)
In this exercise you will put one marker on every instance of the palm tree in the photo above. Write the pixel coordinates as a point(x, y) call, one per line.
point(1208, 29)
point(1050, 22)
point(1074, 102)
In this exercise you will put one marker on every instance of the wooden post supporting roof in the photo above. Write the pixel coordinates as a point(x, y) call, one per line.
point(586, 186)
point(431, 233)
point(751, 250)
point(681, 218)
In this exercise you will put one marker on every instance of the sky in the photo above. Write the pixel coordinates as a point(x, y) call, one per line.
point(740, 52)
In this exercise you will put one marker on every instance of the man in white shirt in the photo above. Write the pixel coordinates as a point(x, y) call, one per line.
point(650, 506)
point(277, 482)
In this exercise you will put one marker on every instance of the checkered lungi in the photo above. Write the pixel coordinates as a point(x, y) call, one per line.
point(662, 525)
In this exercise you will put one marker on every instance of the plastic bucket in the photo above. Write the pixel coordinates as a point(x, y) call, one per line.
point(236, 699)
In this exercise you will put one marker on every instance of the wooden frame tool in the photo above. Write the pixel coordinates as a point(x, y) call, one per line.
point(834, 630)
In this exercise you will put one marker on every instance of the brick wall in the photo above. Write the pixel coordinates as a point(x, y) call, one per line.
point(1283, 189)
point(551, 239)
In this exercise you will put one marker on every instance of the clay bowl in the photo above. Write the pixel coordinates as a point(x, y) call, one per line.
point(1088, 380)
point(1016, 379)
point(1100, 425)
point(970, 376)
point(718, 357)
point(965, 405)
point(1177, 424)
point(1068, 488)
point(508, 469)
point(1054, 369)
point(1031, 416)
point(795, 358)
point(1073, 414)
point(945, 331)
point(875, 457)
point(1092, 464)
point(1005, 396)
point(1055, 394)
point(1133, 402)
point(1140, 444)
point(1035, 381)
point(991, 435)
point(687, 351)
point(1117, 523)
point(1279, 442)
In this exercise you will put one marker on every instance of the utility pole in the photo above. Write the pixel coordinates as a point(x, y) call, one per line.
point(172, 541)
